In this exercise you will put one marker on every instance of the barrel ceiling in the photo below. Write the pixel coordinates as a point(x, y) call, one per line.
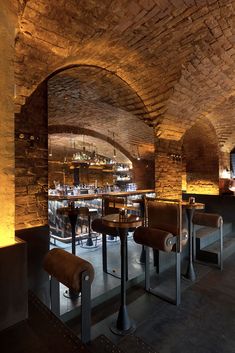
point(100, 105)
point(154, 63)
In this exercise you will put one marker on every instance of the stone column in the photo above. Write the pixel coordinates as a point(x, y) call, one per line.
point(168, 169)
point(7, 174)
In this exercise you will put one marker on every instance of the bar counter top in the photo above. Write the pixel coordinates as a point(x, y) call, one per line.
point(98, 195)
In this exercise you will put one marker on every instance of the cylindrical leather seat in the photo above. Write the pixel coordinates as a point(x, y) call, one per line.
point(98, 226)
point(155, 238)
point(207, 219)
point(67, 268)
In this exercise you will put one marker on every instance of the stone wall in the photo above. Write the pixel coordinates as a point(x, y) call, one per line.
point(202, 183)
point(201, 155)
point(8, 23)
point(31, 161)
point(168, 169)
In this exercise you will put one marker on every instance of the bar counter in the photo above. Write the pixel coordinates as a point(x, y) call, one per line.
point(60, 227)
point(98, 195)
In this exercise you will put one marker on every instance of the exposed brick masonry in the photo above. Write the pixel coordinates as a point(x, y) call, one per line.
point(31, 159)
point(177, 56)
point(201, 155)
point(168, 170)
point(7, 184)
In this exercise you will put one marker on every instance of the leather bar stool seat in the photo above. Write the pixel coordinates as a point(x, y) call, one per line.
point(67, 268)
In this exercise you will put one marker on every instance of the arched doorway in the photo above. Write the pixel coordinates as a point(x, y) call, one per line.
point(104, 101)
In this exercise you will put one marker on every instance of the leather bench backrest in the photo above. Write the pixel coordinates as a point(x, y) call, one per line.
point(163, 215)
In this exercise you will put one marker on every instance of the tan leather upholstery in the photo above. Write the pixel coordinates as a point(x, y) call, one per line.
point(155, 238)
point(207, 219)
point(164, 221)
point(67, 268)
point(99, 227)
point(164, 216)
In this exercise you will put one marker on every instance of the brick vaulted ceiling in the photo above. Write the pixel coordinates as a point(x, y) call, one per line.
point(167, 63)
point(101, 105)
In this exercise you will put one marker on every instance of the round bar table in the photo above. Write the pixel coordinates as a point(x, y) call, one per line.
point(124, 325)
point(72, 214)
point(190, 209)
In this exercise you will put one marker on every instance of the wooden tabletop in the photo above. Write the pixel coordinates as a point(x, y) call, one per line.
point(118, 221)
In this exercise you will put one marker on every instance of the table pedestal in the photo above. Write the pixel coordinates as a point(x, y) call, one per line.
point(89, 239)
point(73, 221)
point(190, 273)
point(124, 325)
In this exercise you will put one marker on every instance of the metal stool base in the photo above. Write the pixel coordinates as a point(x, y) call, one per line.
point(116, 331)
point(70, 294)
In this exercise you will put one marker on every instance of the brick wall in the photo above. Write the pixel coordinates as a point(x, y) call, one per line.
point(7, 187)
point(168, 169)
point(202, 183)
point(200, 148)
point(31, 161)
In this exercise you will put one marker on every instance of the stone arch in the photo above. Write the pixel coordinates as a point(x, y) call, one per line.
point(201, 158)
point(123, 83)
point(31, 158)
point(142, 109)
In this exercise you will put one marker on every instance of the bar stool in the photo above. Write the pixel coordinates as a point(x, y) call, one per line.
point(211, 220)
point(84, 217)
point(76, 274)
point(163, 231)
point(110, 205)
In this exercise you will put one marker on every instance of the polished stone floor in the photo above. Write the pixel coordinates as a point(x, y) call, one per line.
point(203, 323)
point(104, 285)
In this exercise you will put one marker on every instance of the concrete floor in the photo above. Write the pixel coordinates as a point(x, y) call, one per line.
point(104, 285)
point(203, 323)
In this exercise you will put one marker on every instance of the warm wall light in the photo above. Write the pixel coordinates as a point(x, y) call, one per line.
point(203, 189)
point(7, 235)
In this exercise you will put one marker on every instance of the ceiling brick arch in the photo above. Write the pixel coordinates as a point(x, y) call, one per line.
point(178, 56)
point(95, 99)
point(100, 84)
